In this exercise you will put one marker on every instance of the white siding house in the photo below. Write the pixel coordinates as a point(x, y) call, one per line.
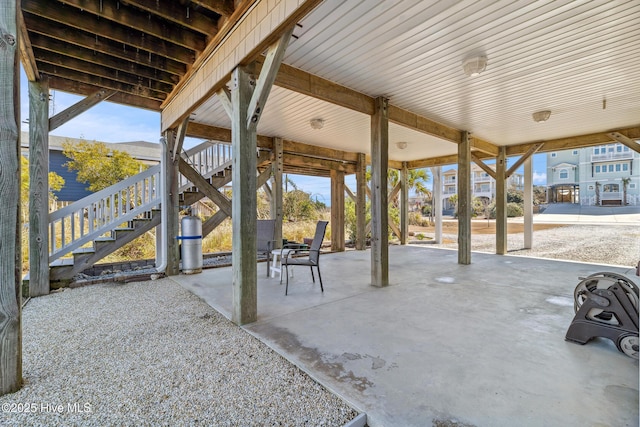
point(603, 175)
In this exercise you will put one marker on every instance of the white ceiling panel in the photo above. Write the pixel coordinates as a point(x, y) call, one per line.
point(566, 56)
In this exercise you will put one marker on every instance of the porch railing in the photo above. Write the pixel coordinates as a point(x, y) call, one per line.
point(208, 159)
point(99, 213)
point(90, 217)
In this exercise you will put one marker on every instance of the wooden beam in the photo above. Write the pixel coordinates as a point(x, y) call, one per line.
point(60, 52)
point(379, 198)
point(131, 18)
point(267, 75)
point(350, 194)
point(395, 190)
point(65, 85)
point(26, 51)
point(79, 107)
point(308, 84)
point(436, 202)
point(486, 147)
point(39, 188)
point(483, 166)
point(361, 202)
point(49, 30)
point(312, 162)
point(573, 142)
point(104, 28)
point(404, 204)
point(308, 150)
point(224, 96)
point(243, 258)
point(199, 130)
point(183, 15)
point(222, 7)
point(432, 162)
point(106, 83)
point(10, 249)
point(337, 211)
point(528, 203)
point(93, 74)
point(501, 202)
point(203, 186)
point(173, 144)
point(531, 151)
point(464, 200)
point(625, 140)
point(276, 202)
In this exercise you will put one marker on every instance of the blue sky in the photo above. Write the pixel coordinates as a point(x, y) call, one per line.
point(109, 122)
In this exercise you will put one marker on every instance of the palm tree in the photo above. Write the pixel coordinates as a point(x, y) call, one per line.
point(625, 183)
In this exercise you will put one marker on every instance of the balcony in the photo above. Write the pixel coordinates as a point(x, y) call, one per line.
point(608, 157)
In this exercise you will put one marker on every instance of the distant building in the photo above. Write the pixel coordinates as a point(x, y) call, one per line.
point(146, 152)
point(602, 175)
point(482, 184)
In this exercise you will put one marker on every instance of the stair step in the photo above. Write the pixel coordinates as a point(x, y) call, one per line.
point(82, 251)
point(62, 262)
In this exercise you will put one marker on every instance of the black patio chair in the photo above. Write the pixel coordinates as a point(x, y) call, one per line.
point(313, 258)
point(265, 243)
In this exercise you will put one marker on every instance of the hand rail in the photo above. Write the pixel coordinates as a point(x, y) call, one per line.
point(100, 212)
point(84, 220)
point(208, 158)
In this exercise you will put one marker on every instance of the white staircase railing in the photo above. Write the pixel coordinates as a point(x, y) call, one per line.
point(208, 159)
point(99, 213)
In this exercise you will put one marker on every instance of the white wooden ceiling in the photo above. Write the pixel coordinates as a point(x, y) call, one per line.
point(563, 56)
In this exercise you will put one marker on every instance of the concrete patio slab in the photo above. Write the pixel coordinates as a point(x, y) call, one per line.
point(477, 345)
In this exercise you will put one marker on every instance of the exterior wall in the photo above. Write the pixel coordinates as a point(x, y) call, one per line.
point(603, 166)
point(146, 152)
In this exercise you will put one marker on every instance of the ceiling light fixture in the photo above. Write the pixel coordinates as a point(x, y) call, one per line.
point(316, 123)
point(541, 116)
point(401, 145)
point(474, 66)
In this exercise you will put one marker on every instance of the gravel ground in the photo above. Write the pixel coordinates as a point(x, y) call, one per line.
point(151, 353)
point(610, 244)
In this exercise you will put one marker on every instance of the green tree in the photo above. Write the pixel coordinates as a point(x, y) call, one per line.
point(98, 166)
point(56, 182)
point(298, 206)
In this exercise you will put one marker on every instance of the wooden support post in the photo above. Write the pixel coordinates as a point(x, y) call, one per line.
point(464, 199)
point(404, 204)
point(436, 202)
point(501, 201)
point(276, 184)
point(10, 249)
point(361, 202)
point(337, 211)
point(172, 214)
point(379, 196)
point(243, 258)
point(39, 187)
point(528, 204)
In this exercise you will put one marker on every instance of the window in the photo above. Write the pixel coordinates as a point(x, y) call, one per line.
point(610, 188)
point(625, 148)
point(554, 154)
point(575, 152)
point(564, 174)
point(619, 148)
point(611, 148)
point(596, 150)
point(618, 167)
point(632, 186)
point(598, 169)
point(625, 167)
point(610, 168)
